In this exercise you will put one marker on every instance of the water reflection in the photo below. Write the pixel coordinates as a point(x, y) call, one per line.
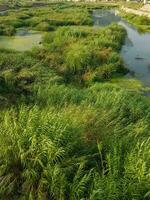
point(135, 51)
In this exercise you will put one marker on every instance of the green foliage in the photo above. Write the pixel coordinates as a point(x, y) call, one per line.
point(44, 18)
point(7, 30)
point(111, 37)
point(43, 26)
point(66, 133)
point(45, 150)
point(75, 57)
point(68, 153)
point(127, 185)
point(141, 22)
point(78, 58)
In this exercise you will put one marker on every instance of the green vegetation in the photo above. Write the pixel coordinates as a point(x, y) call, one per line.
point(44, 19)
point(69, 129)
point(78, 55)
point(61, 152)
point(86, 54)
point(7, 30)
point(141, 22)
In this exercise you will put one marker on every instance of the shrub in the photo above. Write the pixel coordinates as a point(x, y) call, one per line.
point(7, 30)
point(43, 26)
point(24, 16)
point(18, 23)
point(105, 72)
point(77, 58)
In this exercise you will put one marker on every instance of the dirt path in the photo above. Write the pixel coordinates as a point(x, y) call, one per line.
point(145, 10)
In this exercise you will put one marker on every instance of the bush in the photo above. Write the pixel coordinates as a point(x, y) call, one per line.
point(78, 58)
point(43, 26)
point(18, 23)
point(105, 72)
point(7, 30)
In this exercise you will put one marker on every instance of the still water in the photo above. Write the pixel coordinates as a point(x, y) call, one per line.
point(22, 41)
point(136, 50)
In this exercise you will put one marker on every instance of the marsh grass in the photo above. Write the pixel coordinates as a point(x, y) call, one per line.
point(44, 18)
point(62, 153)
point(79, 57)
point(142, 23)
point(70, 128)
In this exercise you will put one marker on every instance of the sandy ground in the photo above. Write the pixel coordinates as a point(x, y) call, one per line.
point(145, 10)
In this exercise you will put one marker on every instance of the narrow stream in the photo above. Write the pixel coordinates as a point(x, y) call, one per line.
point(136, 50)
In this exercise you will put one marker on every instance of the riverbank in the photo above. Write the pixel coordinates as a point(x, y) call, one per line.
point(143, 11)
point(140, 17)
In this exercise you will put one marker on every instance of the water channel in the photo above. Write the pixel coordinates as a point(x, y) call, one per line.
point(136, 50)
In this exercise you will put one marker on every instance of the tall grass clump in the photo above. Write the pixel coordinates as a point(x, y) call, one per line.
point(83, 61)
point(7, 30)
point(78, 58)
point(38, 158)
point(62, 152)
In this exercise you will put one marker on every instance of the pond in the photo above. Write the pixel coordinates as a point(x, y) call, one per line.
point(136, 50)
point(22, 41)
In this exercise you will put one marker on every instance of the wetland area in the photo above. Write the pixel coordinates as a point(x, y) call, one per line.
point(75, 104)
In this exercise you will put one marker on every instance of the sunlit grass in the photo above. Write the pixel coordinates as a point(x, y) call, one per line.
point(142, 23)
point(128, 83)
